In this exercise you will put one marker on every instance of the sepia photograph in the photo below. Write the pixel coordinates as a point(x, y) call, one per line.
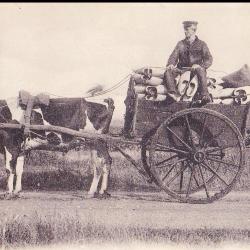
point(124, 126)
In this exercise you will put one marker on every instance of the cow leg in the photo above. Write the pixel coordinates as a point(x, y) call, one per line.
point(97, 173)
point(106, 166)
point(105, 175)
point(19, 173)
point(9, 170)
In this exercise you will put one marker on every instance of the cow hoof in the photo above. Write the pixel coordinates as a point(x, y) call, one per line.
point(17, 195)
point(7, 196)
point(104, 195)
point(90, 196)
point(2, 196)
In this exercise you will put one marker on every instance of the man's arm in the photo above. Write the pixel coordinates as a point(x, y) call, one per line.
point(207, 57)
point(173, 59)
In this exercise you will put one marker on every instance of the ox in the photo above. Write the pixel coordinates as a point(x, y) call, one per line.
point(73, 113)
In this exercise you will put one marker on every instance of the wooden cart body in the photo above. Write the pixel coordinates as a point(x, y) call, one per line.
point(143, 115)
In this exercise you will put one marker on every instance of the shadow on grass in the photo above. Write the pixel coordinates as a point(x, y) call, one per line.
point(58, 180)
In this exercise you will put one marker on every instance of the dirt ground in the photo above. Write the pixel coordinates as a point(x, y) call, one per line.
point(155, 210)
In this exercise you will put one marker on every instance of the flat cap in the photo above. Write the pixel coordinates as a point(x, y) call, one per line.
point(189, 23)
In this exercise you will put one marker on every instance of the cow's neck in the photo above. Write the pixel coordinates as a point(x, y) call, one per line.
point(16, 112)
point(89, 127)
point(38, 110)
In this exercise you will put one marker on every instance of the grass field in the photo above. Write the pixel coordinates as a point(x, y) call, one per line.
point(41, 229)
point(53, 171)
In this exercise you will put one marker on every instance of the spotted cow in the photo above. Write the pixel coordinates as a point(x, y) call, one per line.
point(73, 113)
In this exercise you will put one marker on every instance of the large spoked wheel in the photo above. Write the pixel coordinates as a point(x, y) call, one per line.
point(196, 155)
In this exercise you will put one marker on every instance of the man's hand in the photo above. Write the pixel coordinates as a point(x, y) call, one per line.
point(195, 66)
point(171, 66)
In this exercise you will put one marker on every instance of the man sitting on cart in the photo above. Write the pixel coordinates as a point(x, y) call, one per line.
point(189, 53)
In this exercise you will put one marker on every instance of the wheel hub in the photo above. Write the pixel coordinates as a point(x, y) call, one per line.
point(199, 156)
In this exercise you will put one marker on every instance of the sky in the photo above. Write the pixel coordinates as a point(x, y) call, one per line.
point(65, 49)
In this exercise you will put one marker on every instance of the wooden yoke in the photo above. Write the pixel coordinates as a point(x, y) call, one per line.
point(27, 115)
point(28, 102)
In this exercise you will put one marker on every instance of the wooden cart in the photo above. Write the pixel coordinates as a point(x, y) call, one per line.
point(196, 155)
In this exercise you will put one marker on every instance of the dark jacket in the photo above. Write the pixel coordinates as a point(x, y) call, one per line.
point(185, 55)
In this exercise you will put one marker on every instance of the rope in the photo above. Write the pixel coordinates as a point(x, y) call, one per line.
point(218, 71)
point(160, 67)
point(115, 86)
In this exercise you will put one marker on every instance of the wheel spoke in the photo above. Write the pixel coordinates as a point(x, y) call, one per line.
point(189, 183)
point(215, 173)
point(181, 180)
point(205, 185)
point(170, 170)
point(211, 150)
point(172, 167)
point(189, 130)
point(223, 162)
point(168, 159)
point(169, 149)
point(176, 175)
point(184, 143)
point(203, 130)
point(213, 138)
point(172, 164)
point(216, 155)
point(196, 181)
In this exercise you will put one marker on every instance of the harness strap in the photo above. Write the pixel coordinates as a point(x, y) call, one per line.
point(27, 115)
point(29, 102)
